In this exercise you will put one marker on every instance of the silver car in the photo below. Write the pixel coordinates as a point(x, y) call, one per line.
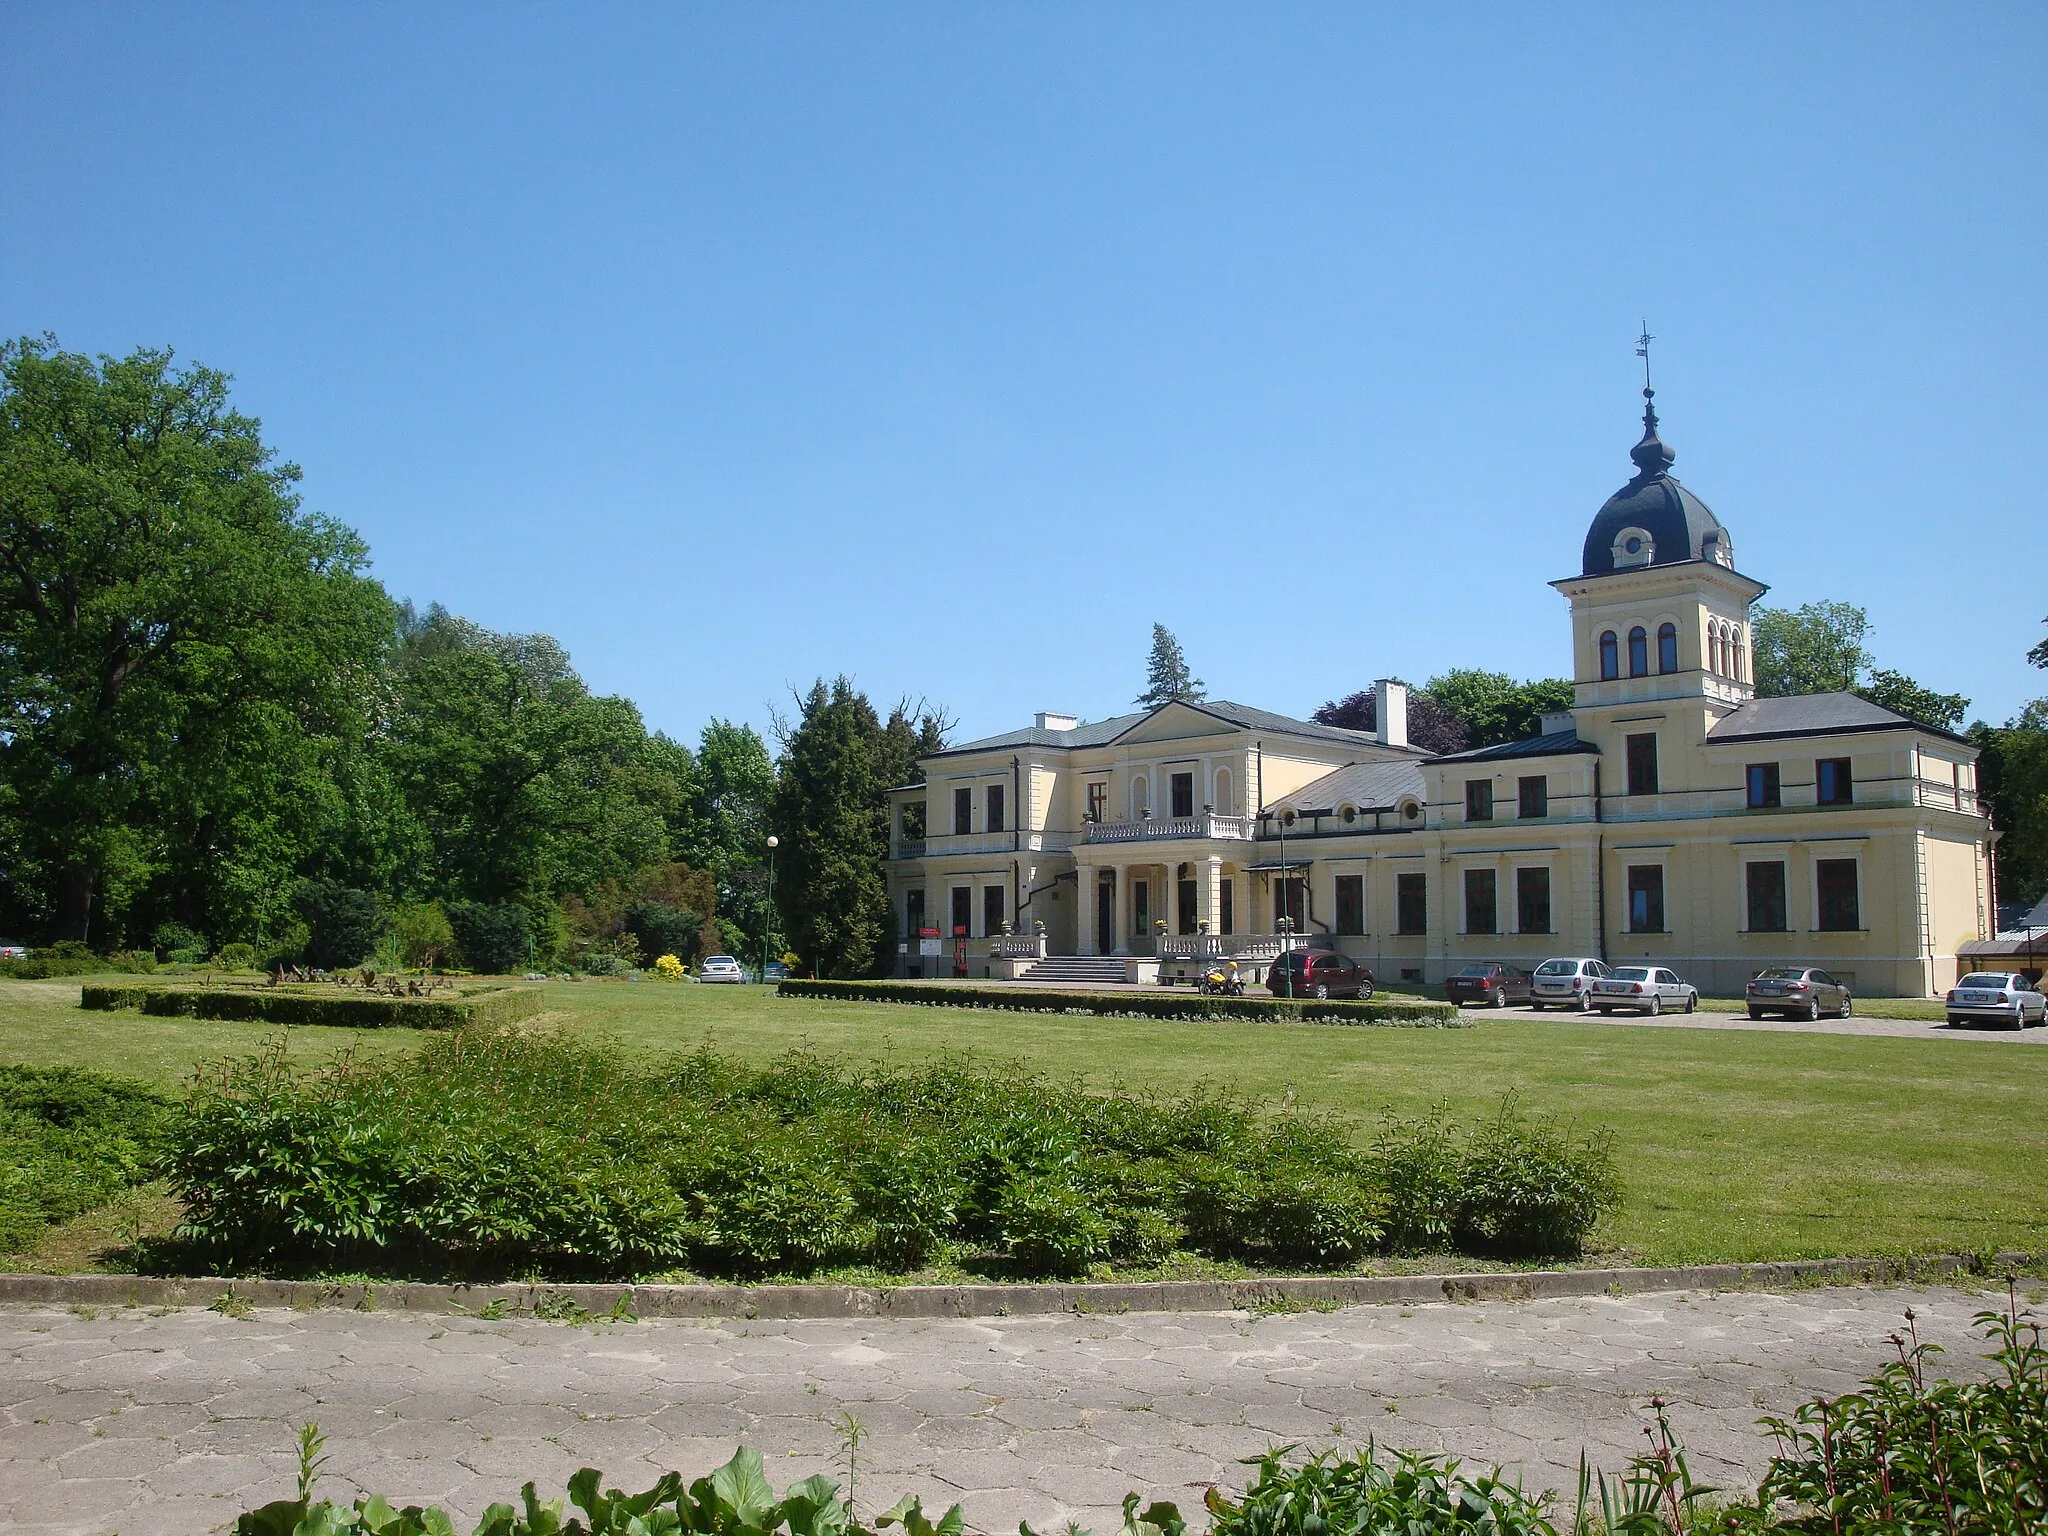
point(1798, 992)
point(721, 968)
point(1565, 982)
point(1996, 997)
point(1647, 988)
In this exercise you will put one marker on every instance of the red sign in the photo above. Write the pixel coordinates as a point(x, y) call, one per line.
point(927, 933)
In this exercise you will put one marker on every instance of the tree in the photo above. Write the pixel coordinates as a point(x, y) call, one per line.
point(1900, 694)
point(175, 634)
point(342, 924)
point(490, 939)
point(1461, 709)
point(1166, 672)
point(2012, 778)
point(1816, 648)
point(661, 929)
point(734, 791)
point(1431, 726)
point(423, 935)
point(829, 813)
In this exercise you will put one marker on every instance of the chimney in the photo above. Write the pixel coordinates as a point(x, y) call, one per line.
point(1558, 721)
point(1390, 710)
point(1048, 721)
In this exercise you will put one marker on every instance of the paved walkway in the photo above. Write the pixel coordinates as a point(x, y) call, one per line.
point(139, 1423)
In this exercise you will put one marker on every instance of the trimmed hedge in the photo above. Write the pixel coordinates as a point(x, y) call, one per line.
point(500, 1005)
point(1412, 1013)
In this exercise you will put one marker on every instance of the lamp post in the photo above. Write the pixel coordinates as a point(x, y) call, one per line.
point(774, 842)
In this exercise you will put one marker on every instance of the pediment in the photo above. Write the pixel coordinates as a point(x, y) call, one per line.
point(1177, 722)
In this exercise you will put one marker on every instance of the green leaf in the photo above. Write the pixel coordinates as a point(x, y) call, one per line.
point(742, 1489)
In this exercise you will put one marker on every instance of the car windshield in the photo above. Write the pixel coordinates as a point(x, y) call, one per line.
point(1631, 973)
point(1983, 979)
point(720, 960)
point(1558, 968)
point(1780, 973)
point(1477, 970)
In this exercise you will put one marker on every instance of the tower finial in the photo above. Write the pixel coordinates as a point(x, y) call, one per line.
point(1651, 456)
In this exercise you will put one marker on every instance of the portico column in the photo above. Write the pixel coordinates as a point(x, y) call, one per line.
point(1084, 875)
point(1118, 874)
point(1209, 894)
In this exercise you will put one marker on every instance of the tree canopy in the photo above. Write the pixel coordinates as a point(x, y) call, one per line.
point(1460, 709)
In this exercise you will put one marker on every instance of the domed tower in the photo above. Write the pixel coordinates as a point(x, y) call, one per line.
point(1659, 611)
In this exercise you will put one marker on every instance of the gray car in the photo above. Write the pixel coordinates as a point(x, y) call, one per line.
point(1648, 988)
point(1996, 997)
point(1797, 992)
point(1566, 981)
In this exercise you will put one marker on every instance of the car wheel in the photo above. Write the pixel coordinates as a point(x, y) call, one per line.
point(1365, 991)
point(1656, 1007)
point(1322, 991)
point(1756, 1013)
point(1812, 1009)
point(1692, 1002)
point(1848, 1006)
point(1500, 998)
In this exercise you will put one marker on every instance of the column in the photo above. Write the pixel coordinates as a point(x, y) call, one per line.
point(1084, 891)
point(1118, 896)
point(1209, 894)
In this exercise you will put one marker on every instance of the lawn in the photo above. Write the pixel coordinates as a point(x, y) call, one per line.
point(1734, 1145)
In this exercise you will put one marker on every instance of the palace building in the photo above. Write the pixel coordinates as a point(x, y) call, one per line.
point(1669, 816)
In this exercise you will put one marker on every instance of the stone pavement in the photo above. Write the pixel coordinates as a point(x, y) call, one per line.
point(138, 1421)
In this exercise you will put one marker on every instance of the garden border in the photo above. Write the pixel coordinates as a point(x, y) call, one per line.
point(1166, 1003)
point(342, 1010)
point(777, 1302)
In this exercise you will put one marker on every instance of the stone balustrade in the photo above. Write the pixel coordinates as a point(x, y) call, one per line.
point(1229, 828)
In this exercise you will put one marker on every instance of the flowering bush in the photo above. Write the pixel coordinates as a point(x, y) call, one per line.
point(669, 968)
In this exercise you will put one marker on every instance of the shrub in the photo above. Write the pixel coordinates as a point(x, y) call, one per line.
point(1051, 1224)
point(237, 957)
point(660, 929)
point(423, 934)
point(287, 948)
point(174, 938)
point(70, 1141)
point(1419, 1164)
point(342, 923)
point(1531, 1189)
point(490, 940)
point(1166, 1003)
point(339, 1009)
point(43, 964)
point(1378, 1490)
point(669, 968)
point(137, 962)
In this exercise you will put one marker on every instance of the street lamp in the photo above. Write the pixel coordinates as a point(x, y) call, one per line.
point(774, 842)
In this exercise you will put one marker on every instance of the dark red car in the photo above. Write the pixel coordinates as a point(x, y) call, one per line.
point(1318, 973)
point(1490, 984)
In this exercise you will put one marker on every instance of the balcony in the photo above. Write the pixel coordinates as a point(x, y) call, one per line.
point(1260, 947)
point(1237, 829)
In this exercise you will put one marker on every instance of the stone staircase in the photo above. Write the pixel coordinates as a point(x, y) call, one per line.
point(1077, 970)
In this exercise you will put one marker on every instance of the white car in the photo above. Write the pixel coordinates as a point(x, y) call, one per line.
point(1648, 988)
point(721, 968)
point(1996, 997)
point(1564, 982)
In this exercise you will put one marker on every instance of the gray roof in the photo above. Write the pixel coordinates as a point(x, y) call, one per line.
point(1813, 714)
point(1101, 732)
point(1557, 744)
point(1369, 786)
point(1681, 526)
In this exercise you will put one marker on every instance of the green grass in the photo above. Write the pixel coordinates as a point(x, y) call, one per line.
point(1733, 1144)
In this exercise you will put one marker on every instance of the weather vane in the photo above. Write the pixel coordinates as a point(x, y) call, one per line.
point(1643, 351)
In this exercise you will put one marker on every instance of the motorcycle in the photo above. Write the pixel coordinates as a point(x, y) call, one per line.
point(1222, 982)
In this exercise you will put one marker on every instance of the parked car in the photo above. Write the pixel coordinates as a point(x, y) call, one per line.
point(1490, 983)
point(721, 968)
point(9, 950)
point(774, 971)
point(1798, 992)
point(1997, 997)
point(1318, 973)
point(1644, 988)
point(1564, 982)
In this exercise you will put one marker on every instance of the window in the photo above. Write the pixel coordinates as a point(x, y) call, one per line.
point(1479, 799)
point(963, 908)
point(1766, 892)
point(1638, 652)
point(1141, 796)
point(1098, 802)
point(991, 910)
point(1535, 796)
point(1183, 789)
point(913, 913)
point(1229, 908)
point(1141, 908)
point(1835, 895)
point(1290, 900)
point(1646, 898)
point(1411, 904)
point(1831, 782)
point(1185, 904)
point(1642, 764)
point(1226, 805)
point(1738, 666)
point(1667, 647)
point(1717, 650)
point(1351, 904)
point(1532, 901)
point(1763, 786)
point(1610, 657)
point(1480, 916)
point(963, 812)
point(995, 808)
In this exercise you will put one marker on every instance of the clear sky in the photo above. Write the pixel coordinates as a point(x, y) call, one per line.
point(949, 346)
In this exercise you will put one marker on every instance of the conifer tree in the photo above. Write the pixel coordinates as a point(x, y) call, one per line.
point(1166, 674)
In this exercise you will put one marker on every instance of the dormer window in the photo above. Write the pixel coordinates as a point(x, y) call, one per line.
point(1633, 547)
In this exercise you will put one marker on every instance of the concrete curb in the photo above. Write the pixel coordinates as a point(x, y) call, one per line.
point(1284, 1293)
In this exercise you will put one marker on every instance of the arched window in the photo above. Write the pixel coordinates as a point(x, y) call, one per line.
point(1225, 805)
point(1667, 648)
point(1610, 657)
point(1141, 800)
point(1715, 655)
point(1740, 670)
point(1638, 652)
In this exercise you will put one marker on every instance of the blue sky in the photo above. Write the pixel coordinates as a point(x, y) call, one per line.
point(950, 346)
